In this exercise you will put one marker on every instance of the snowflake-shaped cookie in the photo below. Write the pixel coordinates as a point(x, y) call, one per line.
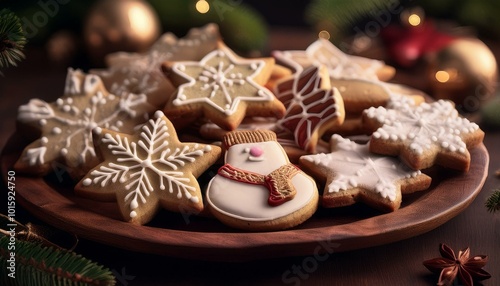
point(149, 169)
point(141, 73)
point(312, 106)
point(339, 64)
point(423, 135)
point(223, 87)
point(354, 174)
point(65, 125)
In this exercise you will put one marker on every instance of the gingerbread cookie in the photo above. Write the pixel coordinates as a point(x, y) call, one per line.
point(141, 73)
point(339, 64)
point(149, 169)
point(423, 135)
point(258, 189)
point(351, 174)
point(312, 106)
point(64, 126)
point(223, 88)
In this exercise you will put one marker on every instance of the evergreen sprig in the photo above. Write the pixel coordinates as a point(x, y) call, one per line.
point(41, 265)
point(493, 202)
point(12, 39)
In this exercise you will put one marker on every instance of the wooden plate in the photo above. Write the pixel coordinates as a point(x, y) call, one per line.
point(203, 238)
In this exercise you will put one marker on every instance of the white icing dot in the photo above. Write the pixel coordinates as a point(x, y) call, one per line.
point(64, 151)
point(87, 182)
point(97, 130)
point(69, 100)
point(87, 111)
point(194, 199)
point(133, 214)
point(445, 144)
point(43, 122)
point(44, 140)
point(207, 148)
point(59, 101)
point(134, 204)
point(376, 135)
point(158, 114)
point(56, 130)
point(111, 97)
point(66, 108)
point(119, 123)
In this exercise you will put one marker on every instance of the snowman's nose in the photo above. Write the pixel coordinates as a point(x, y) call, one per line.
point(256, 151)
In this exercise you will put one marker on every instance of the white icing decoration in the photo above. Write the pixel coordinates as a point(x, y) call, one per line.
point(151, 155)
point(35, 110)
point(423, 127)
point(352, 165)
point(141, 73)
point(249, 202)
point(221, 77)
point(78, 125)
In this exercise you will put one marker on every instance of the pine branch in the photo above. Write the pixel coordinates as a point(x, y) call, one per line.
point(12, 39)
point(40, 265)
point(493, 202)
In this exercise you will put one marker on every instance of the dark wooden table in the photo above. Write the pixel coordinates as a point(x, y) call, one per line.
point(398, 263)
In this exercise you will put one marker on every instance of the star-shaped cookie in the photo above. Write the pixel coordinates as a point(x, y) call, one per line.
point(354, 174)
point(312, 106)
point(141, 72)
point(424, 135)
point(223, 88)
point(65, 126)
point(148, 169)
point(339, 64)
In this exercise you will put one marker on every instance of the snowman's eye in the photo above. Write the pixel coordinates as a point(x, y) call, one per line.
point(246, 150)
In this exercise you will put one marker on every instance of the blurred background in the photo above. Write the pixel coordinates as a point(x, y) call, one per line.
point(64, 27)
point(432, 39)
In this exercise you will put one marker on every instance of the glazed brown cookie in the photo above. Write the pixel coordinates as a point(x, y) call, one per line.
point(223, 88)
point(351, 173)
point(424, 135)
point(65, 126)
point(148, 170)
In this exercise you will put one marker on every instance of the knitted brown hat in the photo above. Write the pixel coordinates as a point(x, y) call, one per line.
point(247, 136)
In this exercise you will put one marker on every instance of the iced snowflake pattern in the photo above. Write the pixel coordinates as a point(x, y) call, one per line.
point(73, 116)
point(220, 80)
point(136, 161)
point(352, 166)
point(422, 127)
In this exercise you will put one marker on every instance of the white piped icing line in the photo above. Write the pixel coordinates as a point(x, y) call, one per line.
point(137, 163)
point(220, 80)
point(423, 127)
point(72, 126)
point(351, 165)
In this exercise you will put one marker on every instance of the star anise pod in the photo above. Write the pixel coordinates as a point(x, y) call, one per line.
point(449, 266)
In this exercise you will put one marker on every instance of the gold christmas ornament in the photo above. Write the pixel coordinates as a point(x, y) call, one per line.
point(120, 25)
point(465, 72)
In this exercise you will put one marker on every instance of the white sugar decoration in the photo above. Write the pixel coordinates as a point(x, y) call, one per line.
point(137, 163)
point(223, 81)
point(423, 126)
point(73, 127)
point(352, 165)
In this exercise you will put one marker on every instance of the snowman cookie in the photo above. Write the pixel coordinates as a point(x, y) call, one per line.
point(258, 188)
